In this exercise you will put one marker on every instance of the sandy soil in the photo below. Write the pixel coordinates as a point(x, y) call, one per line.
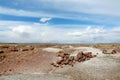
point(33, 77)
point(37, 67)
point(103, 67)
point(54, 50)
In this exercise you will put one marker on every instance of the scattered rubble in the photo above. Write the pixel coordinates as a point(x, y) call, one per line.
point(14, 49)
point(67, 59)
point(8, 49)
point(3, 47)
point(105, 51)
point(26, 49)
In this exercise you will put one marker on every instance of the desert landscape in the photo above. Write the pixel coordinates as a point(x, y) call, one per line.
point(59, 61)
point(59, 40)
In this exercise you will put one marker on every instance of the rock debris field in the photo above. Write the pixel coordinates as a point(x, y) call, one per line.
point(54, 63)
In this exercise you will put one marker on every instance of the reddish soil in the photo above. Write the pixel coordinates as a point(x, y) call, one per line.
point(38, 61)
point(35, 64)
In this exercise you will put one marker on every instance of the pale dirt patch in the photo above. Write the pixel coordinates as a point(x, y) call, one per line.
point(50, 49)
point(101, 67)
point(33, 77)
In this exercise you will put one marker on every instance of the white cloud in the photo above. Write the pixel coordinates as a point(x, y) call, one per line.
point(45, 19)
point(24, 31)
point(106, 7)
point(97, 11)
point(46, 33)
point(88, 6)
point(106, 11)
point(21, 12)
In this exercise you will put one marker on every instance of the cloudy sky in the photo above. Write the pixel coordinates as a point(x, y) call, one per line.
point(60, 21)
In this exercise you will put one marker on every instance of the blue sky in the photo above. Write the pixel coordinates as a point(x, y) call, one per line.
point(60, 21)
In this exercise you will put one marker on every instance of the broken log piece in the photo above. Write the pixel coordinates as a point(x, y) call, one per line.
point(104, 51)
point(55, 65)
point(60, 55)
point(113, 51)
point(1, 51)
point(4, 47)
point(88, 54)
point(32, 48)
point(79, 56)
point(65, 62)
point(14, 49)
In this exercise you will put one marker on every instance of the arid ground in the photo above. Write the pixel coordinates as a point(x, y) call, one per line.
point(33, 62)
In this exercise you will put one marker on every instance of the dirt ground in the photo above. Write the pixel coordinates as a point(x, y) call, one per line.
point(36, 64)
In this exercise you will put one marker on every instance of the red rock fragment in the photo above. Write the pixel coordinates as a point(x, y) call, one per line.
point(66, 59)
